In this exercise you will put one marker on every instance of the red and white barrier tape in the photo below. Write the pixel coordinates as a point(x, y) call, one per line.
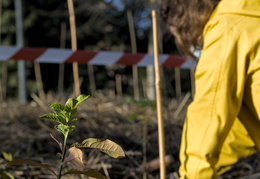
point(56, 55)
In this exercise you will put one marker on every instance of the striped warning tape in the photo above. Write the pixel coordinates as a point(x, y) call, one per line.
point(56, 55)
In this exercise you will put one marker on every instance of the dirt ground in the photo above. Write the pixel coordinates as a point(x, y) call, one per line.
point(25, 135)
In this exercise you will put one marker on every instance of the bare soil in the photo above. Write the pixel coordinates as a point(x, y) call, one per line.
point(25, 135)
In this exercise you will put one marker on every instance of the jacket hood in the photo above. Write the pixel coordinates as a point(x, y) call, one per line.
point(240, 7)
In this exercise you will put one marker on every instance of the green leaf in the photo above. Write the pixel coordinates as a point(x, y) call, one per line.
point(71, 128)
point(58, 106)
point(75, 156)
point(60, 110)
point(62, 113)
point(81, 98)
point(25, 161)
point(64, 129)
point(73, 121)
point(107, 146)
point(71, 103)
point(73, 111)
point(8, 156)
point(55, 118)
point(71, 107)
point(6, 175)
point(90, 173)
point(61, 128)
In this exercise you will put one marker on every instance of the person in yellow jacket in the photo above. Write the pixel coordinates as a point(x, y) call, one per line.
point(223, 121)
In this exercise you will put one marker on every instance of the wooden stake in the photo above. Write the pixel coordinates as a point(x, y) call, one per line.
point(91, 78)
point(4, 82)
point(134, 50)
point(192, 81)
point(181, 105)
point(74, 47)
point(144, 88)
point(0, 40)
point(1, 17)
point(119, 85)
point(177, 77)
point(63, 33)
point(158, 98)
point(150, 78)
point(1, 96)
point(38, 76)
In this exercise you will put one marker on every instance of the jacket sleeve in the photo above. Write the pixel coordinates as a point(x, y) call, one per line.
point(219, 81)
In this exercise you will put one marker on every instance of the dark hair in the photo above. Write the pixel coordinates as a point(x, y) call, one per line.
point(186, 20)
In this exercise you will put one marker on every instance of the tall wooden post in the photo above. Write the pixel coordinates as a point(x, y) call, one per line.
point(74, 47)
point(134, 50)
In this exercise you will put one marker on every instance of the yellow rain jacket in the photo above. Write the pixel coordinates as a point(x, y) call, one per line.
point(222, 125)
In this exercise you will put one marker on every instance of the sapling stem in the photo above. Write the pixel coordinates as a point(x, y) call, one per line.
point(63, 154)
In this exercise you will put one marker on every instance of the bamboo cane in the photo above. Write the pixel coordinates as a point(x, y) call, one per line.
point(158, 98)
point(74, 47)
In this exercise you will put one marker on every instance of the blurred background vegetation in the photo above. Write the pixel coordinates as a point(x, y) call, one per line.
point(101, 25)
